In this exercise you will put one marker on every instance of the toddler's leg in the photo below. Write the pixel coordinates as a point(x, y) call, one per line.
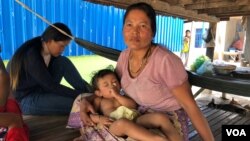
point(161, 121)
point(125, 127)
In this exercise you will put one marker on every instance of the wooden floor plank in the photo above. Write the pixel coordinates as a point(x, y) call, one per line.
point(216, 122)
point(242, 121)
point(206, 112)
point(233, 119)
point(216, 119)
point(53, 128)
point(225, 120)
point(50, 128)
point(247, 122)
point(210, 114)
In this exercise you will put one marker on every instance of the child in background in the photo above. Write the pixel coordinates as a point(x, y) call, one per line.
point(12, 127)
point(119, 114)
point(186, 47)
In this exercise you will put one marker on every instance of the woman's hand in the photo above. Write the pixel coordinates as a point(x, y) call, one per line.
point(105, 120)
point(96, 118)
point(85, 109)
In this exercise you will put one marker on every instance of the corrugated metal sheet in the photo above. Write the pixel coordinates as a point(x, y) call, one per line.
point(96, 23)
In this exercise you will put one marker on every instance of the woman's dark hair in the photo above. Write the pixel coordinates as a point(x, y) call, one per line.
point(149, 11)
point(52, 33)
point(101, 74)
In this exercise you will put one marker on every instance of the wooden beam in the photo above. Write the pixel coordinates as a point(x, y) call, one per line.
point(224, 18)
point(185, 2)
point(233, 11)
point(178, 2)
point(162, 8)
point(216, 4)
point(233, 14)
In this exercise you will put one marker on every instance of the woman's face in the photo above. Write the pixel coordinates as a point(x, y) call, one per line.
point(188, 34)
point(56, 48)
point(137, 30)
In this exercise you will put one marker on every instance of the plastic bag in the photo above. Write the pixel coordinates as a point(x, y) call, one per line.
point(205, 68)
point(198, 62)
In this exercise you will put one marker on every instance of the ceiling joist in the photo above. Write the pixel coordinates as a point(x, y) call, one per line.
point(228, 10)
point(191, 10)
point(162, 8)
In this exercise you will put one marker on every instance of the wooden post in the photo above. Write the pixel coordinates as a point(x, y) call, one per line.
point(210, 46)
point(247, 40)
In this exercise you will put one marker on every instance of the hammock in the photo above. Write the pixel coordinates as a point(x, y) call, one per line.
point(106, 52)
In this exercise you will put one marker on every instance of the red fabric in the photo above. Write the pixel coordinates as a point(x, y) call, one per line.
point(18, 134)
point(238, 44)
point(15, 134)
point(2, 109)
point(12, 107)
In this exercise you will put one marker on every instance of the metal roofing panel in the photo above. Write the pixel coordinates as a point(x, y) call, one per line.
point(92, 22)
